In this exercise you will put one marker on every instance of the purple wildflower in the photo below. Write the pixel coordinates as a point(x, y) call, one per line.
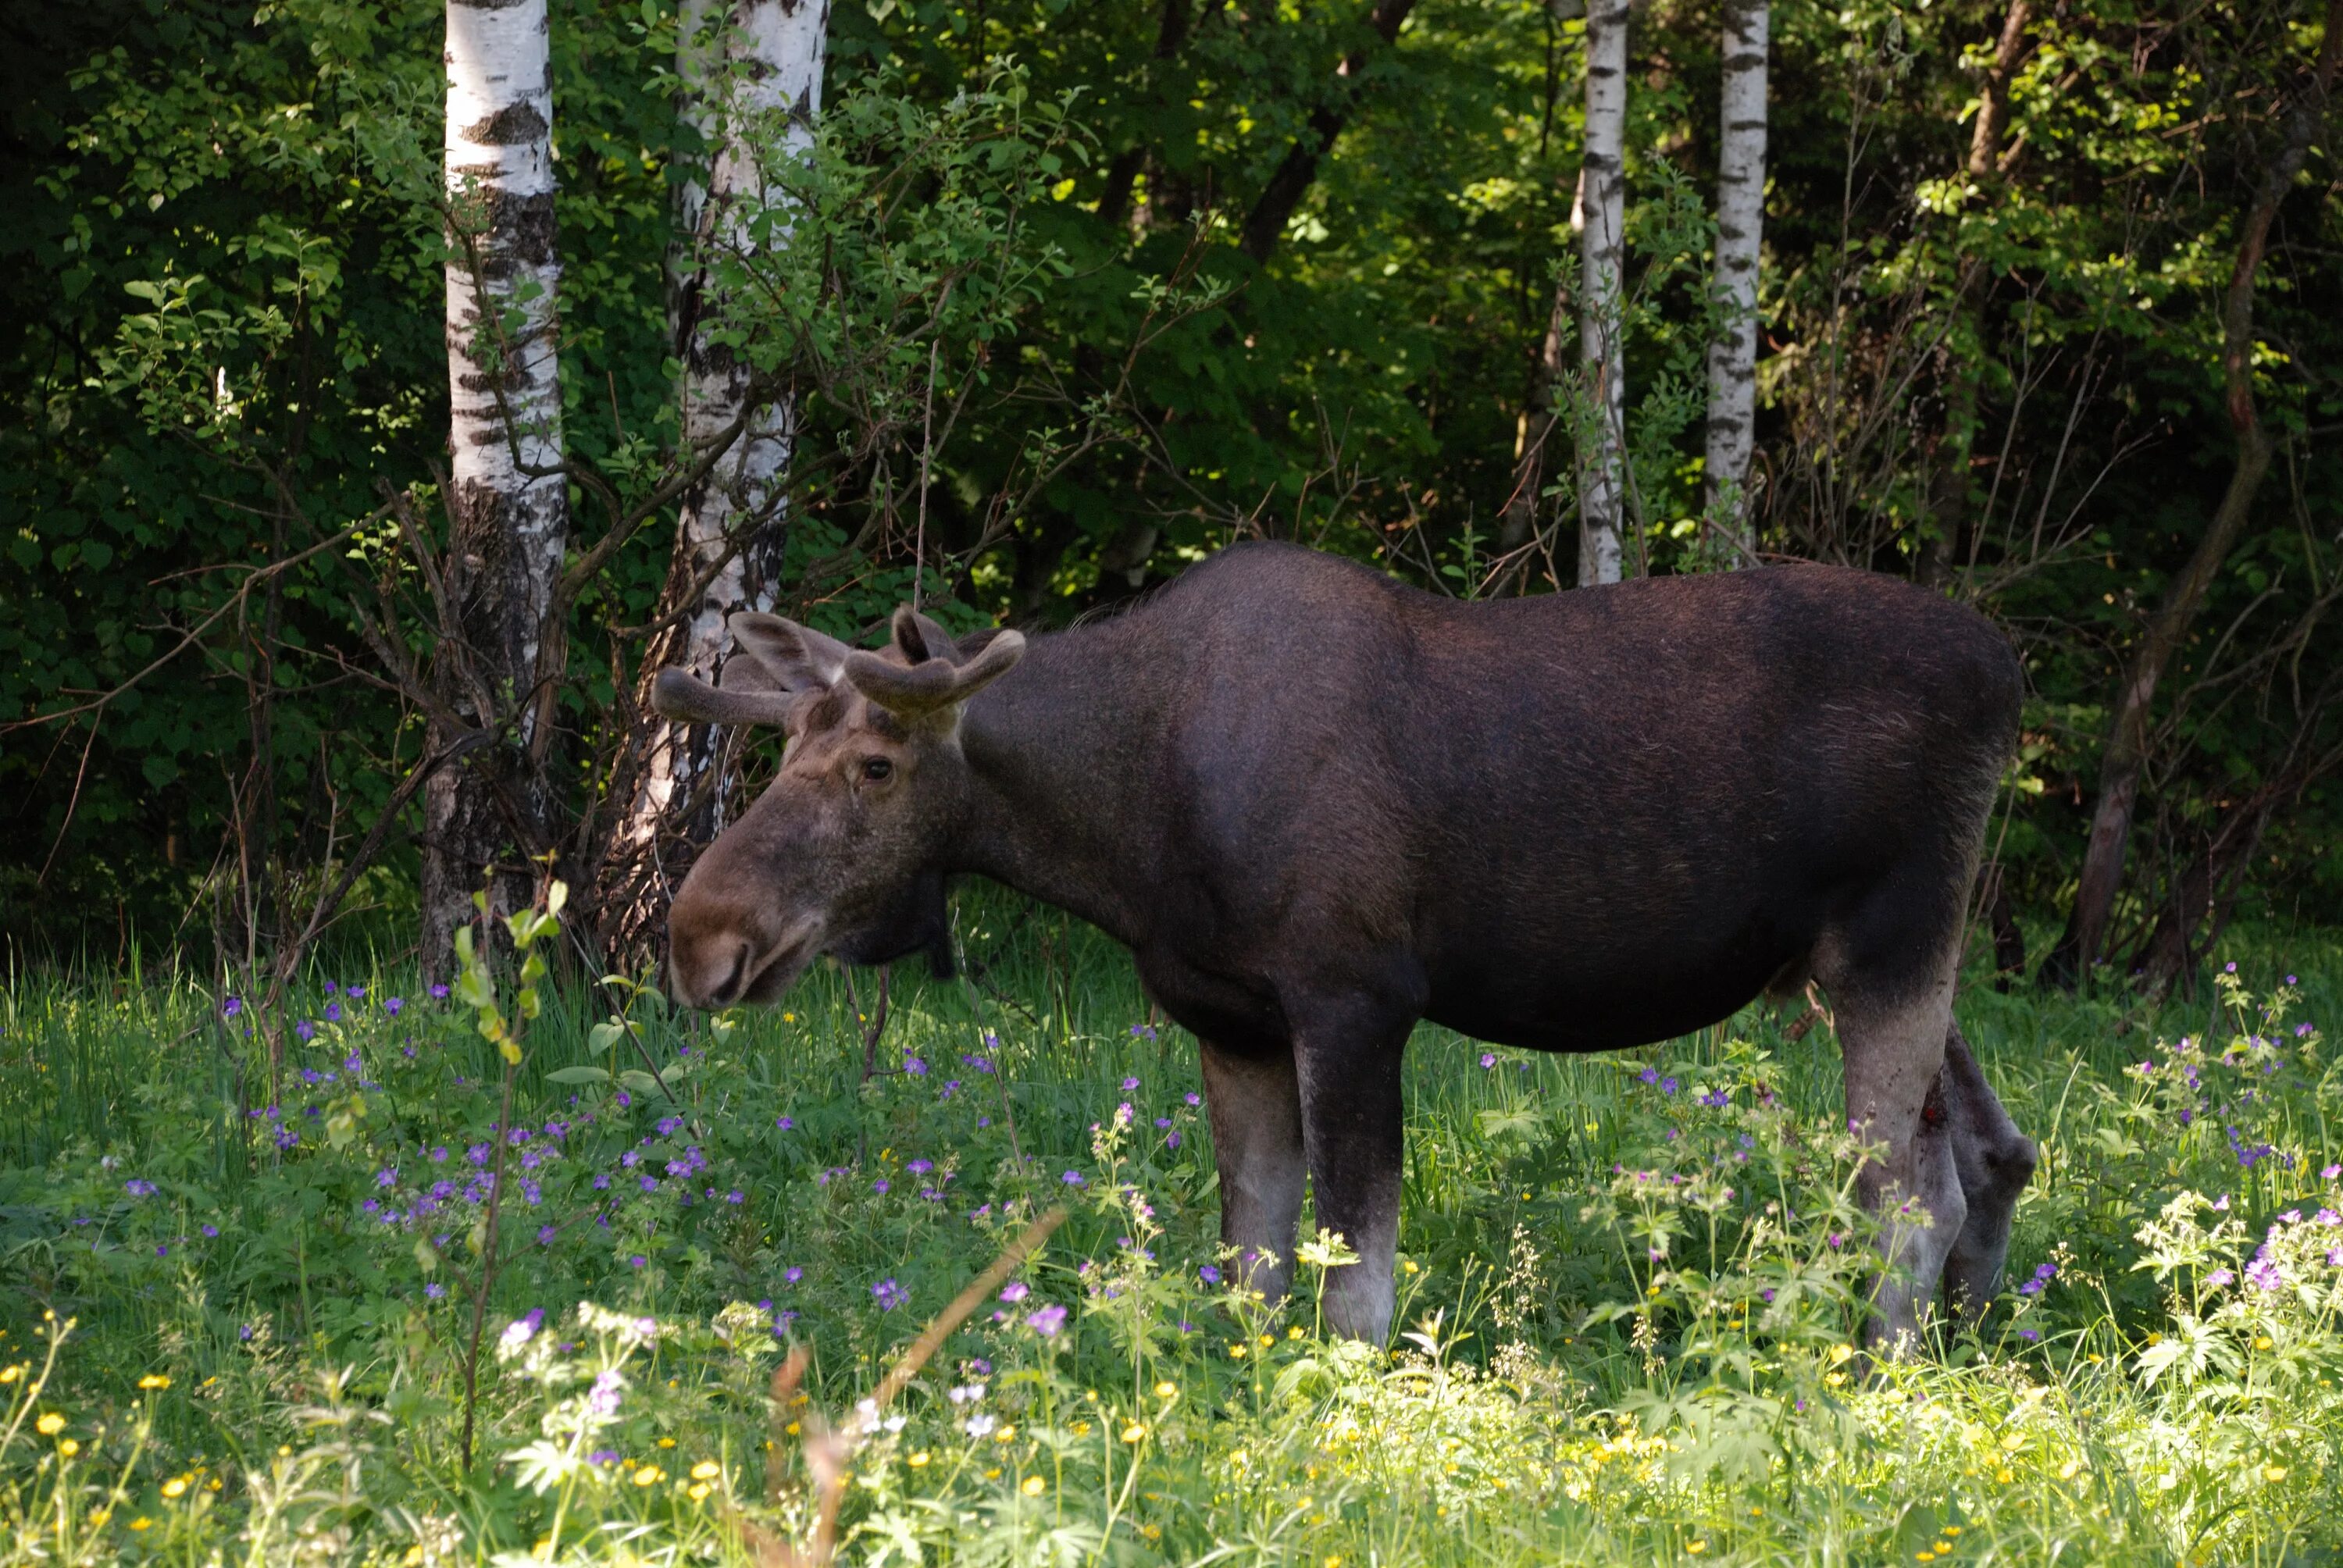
point(1048, 1320)
point(889, 1295)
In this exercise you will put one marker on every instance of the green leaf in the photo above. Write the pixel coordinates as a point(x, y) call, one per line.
point(577, 1075)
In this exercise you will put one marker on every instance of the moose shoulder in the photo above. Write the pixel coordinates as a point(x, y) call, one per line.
point(1319, 805)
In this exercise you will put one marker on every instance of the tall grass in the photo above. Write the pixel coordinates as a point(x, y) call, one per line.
point(1626, 1304)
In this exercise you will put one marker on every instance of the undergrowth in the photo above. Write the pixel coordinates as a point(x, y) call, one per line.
point(238, 1303)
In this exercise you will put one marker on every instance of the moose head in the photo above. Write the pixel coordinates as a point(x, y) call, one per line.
point(839, 855)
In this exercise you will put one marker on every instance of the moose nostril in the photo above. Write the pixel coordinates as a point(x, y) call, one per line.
point(729, 986)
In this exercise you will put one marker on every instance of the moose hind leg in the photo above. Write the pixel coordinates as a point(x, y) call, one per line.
point(1995, 1160)
point(1894, 1048)
point(1255, 1106)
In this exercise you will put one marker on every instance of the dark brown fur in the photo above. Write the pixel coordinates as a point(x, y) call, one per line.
point(1319, 805)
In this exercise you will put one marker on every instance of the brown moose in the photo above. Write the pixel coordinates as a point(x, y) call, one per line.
point(1319, 805)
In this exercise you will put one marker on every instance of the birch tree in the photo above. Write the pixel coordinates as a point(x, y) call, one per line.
point(1740, 221)
point(507, 513)
point(1601, 325)
point(749, 69)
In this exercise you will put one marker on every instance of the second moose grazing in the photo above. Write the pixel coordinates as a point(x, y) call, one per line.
point(1319, 805)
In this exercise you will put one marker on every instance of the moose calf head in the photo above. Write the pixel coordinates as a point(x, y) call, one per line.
point(839, 854)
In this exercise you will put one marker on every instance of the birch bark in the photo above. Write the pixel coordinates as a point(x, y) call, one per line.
point(749, 68)
point(1740, 222)
point(1602, 332)
point(507, 509)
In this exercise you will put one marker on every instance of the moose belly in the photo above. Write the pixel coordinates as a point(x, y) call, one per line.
point(1604, 990)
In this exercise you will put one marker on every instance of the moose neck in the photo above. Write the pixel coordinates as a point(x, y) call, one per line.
point(1054, 751)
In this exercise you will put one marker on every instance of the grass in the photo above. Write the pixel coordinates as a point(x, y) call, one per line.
point(1627, 1292)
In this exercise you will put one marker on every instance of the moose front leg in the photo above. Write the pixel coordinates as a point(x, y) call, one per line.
point(1255, 1106)
point(1352, 1121)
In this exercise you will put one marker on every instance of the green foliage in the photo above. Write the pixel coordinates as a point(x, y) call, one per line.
point(1627, 1289)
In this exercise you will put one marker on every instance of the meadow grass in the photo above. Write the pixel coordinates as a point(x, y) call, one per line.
point(238, 1318)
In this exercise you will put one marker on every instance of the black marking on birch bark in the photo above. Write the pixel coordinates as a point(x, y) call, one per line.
point(515, 125)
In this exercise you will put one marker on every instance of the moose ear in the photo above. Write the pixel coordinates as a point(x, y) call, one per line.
point(680, 694)
point(920, 639)
point(936, 684)
point(798, 658)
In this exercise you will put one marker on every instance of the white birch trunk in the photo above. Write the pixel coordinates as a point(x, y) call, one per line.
point(507, 526)
point(748, 67)
point(1602, 336)
point(1740, 222)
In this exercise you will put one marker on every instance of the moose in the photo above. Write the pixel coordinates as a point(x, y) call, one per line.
point(1318, 804)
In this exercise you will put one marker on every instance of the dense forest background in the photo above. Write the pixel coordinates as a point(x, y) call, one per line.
point(1070, 300)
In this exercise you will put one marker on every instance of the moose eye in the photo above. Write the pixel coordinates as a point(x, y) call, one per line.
point(876, 768)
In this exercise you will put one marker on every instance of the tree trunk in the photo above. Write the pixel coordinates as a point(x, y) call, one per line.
point(1946, 499)
point(1602, 295)
point(508, 515)
point(1740, 222)
point(1537, 427)
point(745, 71)
point(1264, 224)
point(2126, 749)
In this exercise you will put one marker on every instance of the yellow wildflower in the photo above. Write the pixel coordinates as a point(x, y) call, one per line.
point(666, 1442)
point(2274, 1473)
point(699, 1488)
point(1034, 1486)
point(50, 1424)
point(154, 1380)
point(142, 1523)
point(649, 1475)
point(919, 1459)
point(174, 1487)
point(69, 1447)
point(706, 1470)
point(1134, 1432)
point(1165, 1390)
